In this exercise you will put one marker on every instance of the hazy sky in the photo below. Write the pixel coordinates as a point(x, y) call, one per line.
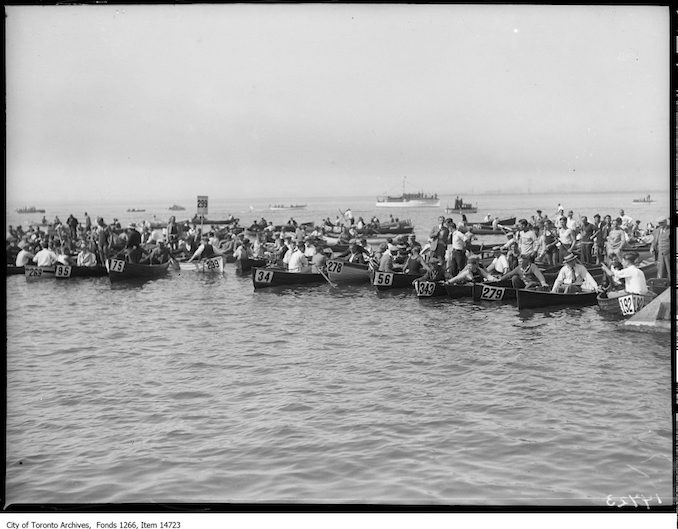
point(167, 102)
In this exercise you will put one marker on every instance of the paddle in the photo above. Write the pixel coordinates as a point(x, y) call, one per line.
point(326, 278)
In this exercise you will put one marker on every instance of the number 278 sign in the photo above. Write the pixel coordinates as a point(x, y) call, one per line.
point(202, 205)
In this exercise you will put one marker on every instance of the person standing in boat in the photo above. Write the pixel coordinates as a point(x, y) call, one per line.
point(526, 274)
point(586, 232)
point(566, 240)
point(134, 251)
point(661, 248)
point(616, 238)
point(633, 277)
point(173, 233)
point(549, 241)
point(574, 277)
point(527, 239)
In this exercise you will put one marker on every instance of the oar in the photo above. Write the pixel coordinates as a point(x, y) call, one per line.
point(326, 278)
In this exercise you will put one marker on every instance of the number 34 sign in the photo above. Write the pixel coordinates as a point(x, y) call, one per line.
point(202, 205)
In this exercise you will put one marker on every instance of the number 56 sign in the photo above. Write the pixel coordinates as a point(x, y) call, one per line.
point(202, 205)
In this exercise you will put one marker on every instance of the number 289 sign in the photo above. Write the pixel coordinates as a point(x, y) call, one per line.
point(202, 205)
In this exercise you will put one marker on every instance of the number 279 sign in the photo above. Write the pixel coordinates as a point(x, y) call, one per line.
point(202, 205)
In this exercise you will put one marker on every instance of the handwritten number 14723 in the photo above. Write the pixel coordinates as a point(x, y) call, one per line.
point(632, 501)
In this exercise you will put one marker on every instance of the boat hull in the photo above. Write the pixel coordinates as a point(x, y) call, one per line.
point(340, 271)
point(461, 211)
point(119, 270)
point(61, 271)
point(390, 203)
point(392, 280)
point(429, 289)
point(495, 291)
point(535, 299)
point(464, 290)
point(625, 306)
point(273, 277)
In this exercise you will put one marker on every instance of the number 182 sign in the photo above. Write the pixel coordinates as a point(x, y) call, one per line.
point(202, 205)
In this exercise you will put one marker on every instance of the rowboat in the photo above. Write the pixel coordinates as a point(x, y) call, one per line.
point(481, 230)
point(391, 280)
point(509, 221)
point(245, 264)
point(340, 271)
point(626, 305)
point(62, 271)
point(119, 270)
point(461, 290)
point(210, 265)
point(396, 228)
point(533, 299)
point(273, 277)
point(429, 289)
point(13, 270)
point(494, 291)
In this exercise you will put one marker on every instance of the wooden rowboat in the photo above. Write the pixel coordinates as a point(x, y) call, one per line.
point(62, 271)
point(626, 305)
point(340, 271)
point(245, 265)
point(275, 277)
point(13, 270)
point(213, 264)
point(391, 280)
point(119, 270)
point(494, 291)
point(429, 289)
point(534, 299)
point(460, 290)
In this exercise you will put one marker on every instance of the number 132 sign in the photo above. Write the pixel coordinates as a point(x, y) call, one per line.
point(202, 205)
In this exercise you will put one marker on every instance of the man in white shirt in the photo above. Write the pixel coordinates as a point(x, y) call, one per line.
point(45, 257)
point(527, 239)
point(86, 257)
point(574, 277)
point(499, 264)
point(634, 278)
point(25, 256)
point(298, 261)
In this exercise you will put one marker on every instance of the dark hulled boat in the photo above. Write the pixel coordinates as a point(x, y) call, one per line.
point(536, 299)
point(275, 277)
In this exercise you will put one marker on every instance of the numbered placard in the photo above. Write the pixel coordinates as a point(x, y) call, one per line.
point(492, 293)
point(63, 271)
point(117, 265)
point(424, 288)
point(630, 304)
point(202, 205)
point(263, 276)
point(33, 271)
point(212, 264)
point(334, 266)
point(383, 279)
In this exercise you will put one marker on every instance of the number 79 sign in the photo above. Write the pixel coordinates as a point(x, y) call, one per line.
point(202, 205)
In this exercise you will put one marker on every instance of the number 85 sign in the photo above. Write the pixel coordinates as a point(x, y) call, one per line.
point(202, 205)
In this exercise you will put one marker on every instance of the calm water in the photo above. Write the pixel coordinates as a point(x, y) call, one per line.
point(194, 388)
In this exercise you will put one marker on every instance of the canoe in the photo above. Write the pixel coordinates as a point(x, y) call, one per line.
point(533, 299)
point(61, 271)
point(429, 289)
point(340, 271)
point(119, 270)
point(463, 290)
point(391, 280)
point(244, 266)
point(626, 306)
point(273, 277)
point(494, 291)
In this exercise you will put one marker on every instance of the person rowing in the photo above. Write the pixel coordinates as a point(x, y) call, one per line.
point(633, 277)
point(434, 270)
point(526, 274)
point(574, 277)
point(205, 250)
point(472, 273)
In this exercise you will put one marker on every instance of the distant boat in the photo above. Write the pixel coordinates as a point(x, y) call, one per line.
point(644, 200)
point(409, 200)
point(276, 207)
point(132, 210)
point(31, 209)
point(461, 207)
point(175, 207)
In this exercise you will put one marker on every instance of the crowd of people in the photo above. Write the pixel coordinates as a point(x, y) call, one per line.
point(530, 246)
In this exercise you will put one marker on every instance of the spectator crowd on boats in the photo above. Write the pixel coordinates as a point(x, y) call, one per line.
point(451, 253)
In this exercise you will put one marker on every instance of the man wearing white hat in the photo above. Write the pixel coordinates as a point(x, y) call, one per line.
point(661, 248)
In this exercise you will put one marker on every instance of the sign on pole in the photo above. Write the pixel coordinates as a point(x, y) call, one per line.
point(202, 206)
